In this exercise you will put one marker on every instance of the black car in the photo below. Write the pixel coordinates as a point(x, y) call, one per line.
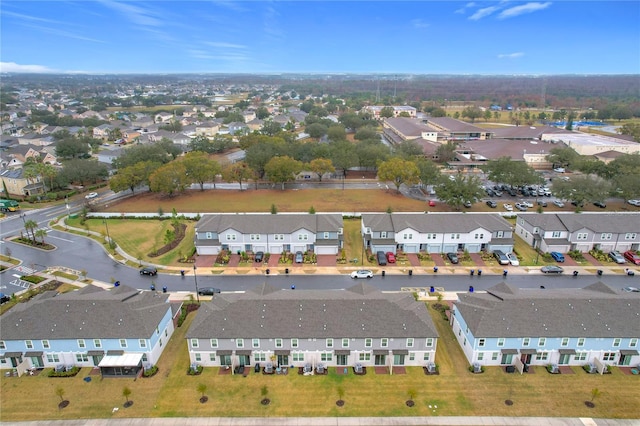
point(149, 270)
point(492, 204)
point(4, 298)
point(600, 204)
point(382, 258)
point(259, 256)
point(208, 291)
point(542, 203)
point(453, 258)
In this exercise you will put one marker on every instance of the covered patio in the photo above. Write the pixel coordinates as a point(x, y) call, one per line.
point(121, 365)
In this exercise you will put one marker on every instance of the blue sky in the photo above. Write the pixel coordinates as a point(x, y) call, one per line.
point(419, 37)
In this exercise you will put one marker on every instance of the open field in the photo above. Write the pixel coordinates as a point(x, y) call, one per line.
point(172, 393)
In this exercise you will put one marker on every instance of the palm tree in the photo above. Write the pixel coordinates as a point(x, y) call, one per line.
point(41, 233)
point(30, 225)
point(126, 392)
point(60, 392)
point(202, 388)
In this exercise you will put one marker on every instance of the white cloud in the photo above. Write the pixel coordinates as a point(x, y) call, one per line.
point(419, 23)
point(13, 67)
point(235, 6)
point(510, 55)
point(464, 8)
point(522, 9)
point(224, 45)
point(138, 15)
point(481, 13)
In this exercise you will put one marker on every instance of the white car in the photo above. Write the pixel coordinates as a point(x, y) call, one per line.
point(508, 207)
point(558, 203)
point(362, 273)
point(91, 195)
point(634, 202)
point(527, 203)
point(559, 170)
point(513, 259)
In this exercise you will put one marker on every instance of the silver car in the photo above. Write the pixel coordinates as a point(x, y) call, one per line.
point(362, 273)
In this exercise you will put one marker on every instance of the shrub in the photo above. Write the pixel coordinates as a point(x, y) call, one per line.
point(72, 372)
point(195, 371)
point(150, 371)
point(576, 255)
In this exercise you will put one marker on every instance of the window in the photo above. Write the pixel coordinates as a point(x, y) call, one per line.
point(535, 230)
point(455, 236)
point(51, 358)
point(259, 356)
point(198, 356)
point(298, 356)
point(630, 236)
point(214, 343)
point(144, 358)
point(97, 343)
point(412, 356)
point(329, 342)
point(368, 342)
point(501, 341)
point(431, 236)
point(345, 342)
point(429, 342)
point(606, 236)
point(580, 341)
point(609, 356)
point(580, 356)
point(542, 341)
point(565, 341)
point(427, 356)
point(278, 343)
point(616, 342)
point(494, 356)
point(278, 237)
point(407, 236)
point(82, 358)
point(3, 346)
point(633, 343)
point(555, 234)
point(123, 343)
point(240, 343)
point(326, 235)
point(303, 237)
point(582, 236)
point(294, 343)
point(254, 237)
point(209, 236)
point(364, 356)
point(525, 341)
point(499, 234)
point(383, 234)
point(81, 343)
point(231, 237)
point(143, 343)
point(542, 356)
point(326, 356)
point(29, 344)
point(195, 343)
point(45, 345)
point(384, 342)
point(480, 356)
point(410, 342)
point(212, 356)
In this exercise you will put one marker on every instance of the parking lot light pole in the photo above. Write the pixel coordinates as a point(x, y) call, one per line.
point(107, 228)
point(195, 280)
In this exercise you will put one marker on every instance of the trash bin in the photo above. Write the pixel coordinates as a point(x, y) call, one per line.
point(164, 289)
point(152, 287)
point(479, 272)
point(256, 368)
point(268, 271)
point(182, 272)
point(599, 272)
point(471, 272)
point(575, 273)
point(286, 270)
point(435, 269)
point(432, 289)
point(293, 287)
point(470, 289)
point(410, 272)
point(116, 284)
point(383, 273)
point(504, 273)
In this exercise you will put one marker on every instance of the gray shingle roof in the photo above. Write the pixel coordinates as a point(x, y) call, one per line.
point(358, 312)
point(89, 313)
point(594, 311)
point(269, 223)
point(435, 222)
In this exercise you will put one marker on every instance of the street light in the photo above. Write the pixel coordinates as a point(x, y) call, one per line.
point(195, 279)
point(107, 227)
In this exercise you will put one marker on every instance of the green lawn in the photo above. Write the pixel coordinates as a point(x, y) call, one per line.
point(455, 391)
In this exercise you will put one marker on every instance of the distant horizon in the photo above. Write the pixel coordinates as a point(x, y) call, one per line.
point(502, 38)
point(318, 73)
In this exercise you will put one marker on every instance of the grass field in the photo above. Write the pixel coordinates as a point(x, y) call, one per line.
point(455, 392)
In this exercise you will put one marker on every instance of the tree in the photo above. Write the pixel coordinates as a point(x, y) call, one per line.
point(581, 189)
point(513, 173)
point(472, 113)
point(399, 171)
point(71, 148)
point(238, 172)
point(570, 119)
point(200, 143)
point(409, 149)
point(202, 388)
point(41, 233)
point(320, 166)
point(259, 154)
point(343, 155)
point(387, 112)
point(30, 226)
point(372, 152)
point(562, 157)
point(262, 113)
point(429, 171)
point(159, 152)
point(200, 168)
point(126, 392)
point(173, 126)
point(82, 172)
point(317, 130)
point(457, 191)
point(631, 129)
point(337, 133)
point(133, 176)
point(283, 169)
point(169, 178)
point(487, 114)
point(271, 128)
point(60, 393)
point(446, 152)
point(364, 133)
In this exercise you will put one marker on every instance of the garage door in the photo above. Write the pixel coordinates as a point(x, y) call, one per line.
point(326, 250)
point(383, 248)
point(473, 248)
point(203, 251)
point(275, 249)
point(448, 248)
point(410, 248)
point(259, 248)
point(434, 248)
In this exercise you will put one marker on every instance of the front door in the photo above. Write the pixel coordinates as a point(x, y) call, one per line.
point(225, 359)
point(525, 358)
point(283, 360)
point(625, 360)
point(506, 359)
point(341, 359)
point(96, 359)
point(243, 360)
point(564, 359)
point(36, 361)
point(380, 360)
point(398, 360)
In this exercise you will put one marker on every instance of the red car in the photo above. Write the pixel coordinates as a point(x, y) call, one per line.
point(632, 257)
point(391, 258)
point(432, 203)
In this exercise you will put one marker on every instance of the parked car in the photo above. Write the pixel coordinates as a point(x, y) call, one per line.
point(391, 258)
point(551, 269)
point(616, 257)
point(557, 256)
point(91, 195)
point(542, 203)
point(208, 291)
point(631, 289)
point(362, 273)
point(453, 258)
point(149, 270)
point(521, 207)
point(259, 256)
point(501, 257)
point(600, 204)
point(4, 298)
point(559, 170)
point(632, 257)
point(382, 258)
point(467, 204)
point(526, 203)
point(634, 202)
point(432, 203)
point(508, 207)
point(492, 204)
point(577, 204)
point(513, 259)
point(299, 258)
point(558, 203)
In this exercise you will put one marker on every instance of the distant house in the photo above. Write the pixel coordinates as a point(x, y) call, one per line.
point(332, 328)
point(595, 325)
point(17, 185)
point(320, 233)
point(120, 330)
point(375, 110)
point(102, 131)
